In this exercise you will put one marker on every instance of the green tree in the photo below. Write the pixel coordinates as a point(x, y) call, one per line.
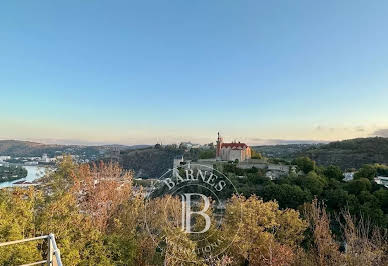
point(358, 185)
point(312, 182)
point(79, 241)
point(367, 171)
point(336, 199)
point(304, 163)
point(288, 196)
point(382, 196)
point(207, 154)
point(334, 172)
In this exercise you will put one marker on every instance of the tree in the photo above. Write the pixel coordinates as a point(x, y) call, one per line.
point(288, 196)
point(79, 241)
point(336, 199)
point(367, 171)
point(207, 154)
point(364, 243)
point(256, 155)
point(99, 219)
point(325, 248)
point(100, 189)
point(304, 163)
point(17, 215)
point(128, 239)
point(78, 212)
point(382, 196)
point(312, 182)
point(176, 245)
point(266, 235)
point(358, 185)
point(381, 169)
point(334, 172)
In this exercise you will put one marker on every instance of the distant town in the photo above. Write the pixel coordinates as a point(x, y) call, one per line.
point(40, 160)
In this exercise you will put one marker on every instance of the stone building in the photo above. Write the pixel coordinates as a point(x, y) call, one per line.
point(232, 151)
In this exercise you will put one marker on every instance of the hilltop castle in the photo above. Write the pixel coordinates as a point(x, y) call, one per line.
point(232, 151)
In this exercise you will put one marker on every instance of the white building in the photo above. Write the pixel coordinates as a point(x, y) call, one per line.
point(382, 180)
point(4, 158)
point(348, 176)
point(45, 158)
point(177, 162)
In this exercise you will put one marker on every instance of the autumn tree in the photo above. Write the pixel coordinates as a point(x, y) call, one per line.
point(266, 235)
point(100, 189)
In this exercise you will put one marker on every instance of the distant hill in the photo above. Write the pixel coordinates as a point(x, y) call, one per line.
point(284, 151)
point(124, 147)
point(352, 153)
point(27, 148)
point(17, 148)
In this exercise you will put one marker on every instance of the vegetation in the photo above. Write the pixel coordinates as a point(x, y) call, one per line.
point(346, 154)
point(149, 162)
point(154, 162)
point(207, 154)
point(285, 152)
point(362, 196)
point(10, 173)
point(256, 155)
point(98, 219)
point(352, 153)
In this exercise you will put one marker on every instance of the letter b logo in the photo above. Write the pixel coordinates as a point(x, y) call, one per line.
point(187, 212)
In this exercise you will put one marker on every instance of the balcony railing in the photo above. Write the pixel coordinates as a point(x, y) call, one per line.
point(53, 254)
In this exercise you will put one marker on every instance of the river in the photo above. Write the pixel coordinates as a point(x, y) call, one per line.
point(33, 172)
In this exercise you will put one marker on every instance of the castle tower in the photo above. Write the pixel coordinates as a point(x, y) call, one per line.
point(219, 145)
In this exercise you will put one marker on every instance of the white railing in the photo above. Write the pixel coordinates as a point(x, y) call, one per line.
point(53, 254)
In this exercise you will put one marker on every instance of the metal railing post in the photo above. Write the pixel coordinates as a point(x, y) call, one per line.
point(57, 259)
point(49, 251)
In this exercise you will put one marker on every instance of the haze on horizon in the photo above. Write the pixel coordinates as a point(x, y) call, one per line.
point(141, 72)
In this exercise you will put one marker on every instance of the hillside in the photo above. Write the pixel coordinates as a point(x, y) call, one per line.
point(351, 153)
point(284, 151)
point(27, 148)
point(149, 162)
point(17, 148)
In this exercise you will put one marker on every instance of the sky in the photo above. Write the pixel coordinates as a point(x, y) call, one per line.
point(141, 72)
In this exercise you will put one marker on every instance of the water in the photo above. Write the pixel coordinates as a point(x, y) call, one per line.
point(33, 173)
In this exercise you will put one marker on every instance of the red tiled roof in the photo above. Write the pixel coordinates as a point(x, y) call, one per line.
point(234, 145)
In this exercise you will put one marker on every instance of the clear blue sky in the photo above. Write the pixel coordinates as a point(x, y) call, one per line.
point(141, 71)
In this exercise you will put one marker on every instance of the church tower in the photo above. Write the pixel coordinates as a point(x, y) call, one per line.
point(219, 145)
